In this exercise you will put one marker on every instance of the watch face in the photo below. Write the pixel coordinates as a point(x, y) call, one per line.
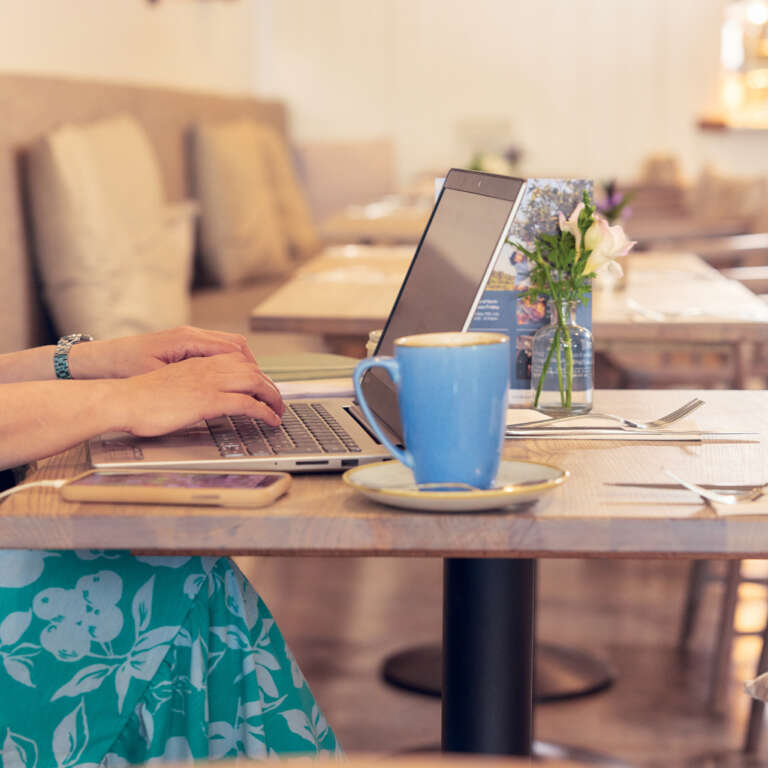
point(75, 338)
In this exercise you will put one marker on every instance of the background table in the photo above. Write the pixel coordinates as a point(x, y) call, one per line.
point(341, 295)
point(489, 571)
point(677, 298)
point(670, 298)
point(380, 223)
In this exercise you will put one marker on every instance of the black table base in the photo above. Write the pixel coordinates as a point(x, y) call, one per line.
point(560, 673)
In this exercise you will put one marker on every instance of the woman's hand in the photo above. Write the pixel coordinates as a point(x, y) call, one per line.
point(182, 393)
point(134, 355)
point(40, 418)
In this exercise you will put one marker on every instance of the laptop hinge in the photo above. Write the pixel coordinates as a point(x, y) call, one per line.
point(357, 414)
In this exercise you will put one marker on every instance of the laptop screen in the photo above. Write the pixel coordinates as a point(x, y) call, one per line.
point(448, 272)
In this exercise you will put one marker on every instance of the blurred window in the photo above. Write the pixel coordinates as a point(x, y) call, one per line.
point(743, 92)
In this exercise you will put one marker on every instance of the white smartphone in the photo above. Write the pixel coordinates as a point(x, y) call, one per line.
point(224, 489)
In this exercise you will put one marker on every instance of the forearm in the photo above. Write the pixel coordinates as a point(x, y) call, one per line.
point(124, 357)
point(29, 365)
point(40, 418)
point(89, 360)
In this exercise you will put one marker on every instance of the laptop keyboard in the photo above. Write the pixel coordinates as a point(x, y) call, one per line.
point(305, 428)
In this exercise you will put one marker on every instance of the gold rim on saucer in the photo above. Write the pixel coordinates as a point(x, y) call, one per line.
point(406, 494)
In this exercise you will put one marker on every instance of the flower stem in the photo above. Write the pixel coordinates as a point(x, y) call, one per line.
point(544, 370)
point(561, 336)
point(568, 364)
point(556, 345)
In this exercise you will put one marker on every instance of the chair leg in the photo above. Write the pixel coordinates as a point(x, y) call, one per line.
point(755, 722)
point(721, 663)
point(697, 578)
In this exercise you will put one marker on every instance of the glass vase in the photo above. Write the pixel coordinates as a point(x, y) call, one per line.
point(562, 366)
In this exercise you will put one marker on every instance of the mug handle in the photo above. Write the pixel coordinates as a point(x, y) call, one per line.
point(393, 369)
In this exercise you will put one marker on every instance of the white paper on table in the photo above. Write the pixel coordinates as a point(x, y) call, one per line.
point(297, 390)
point(360, 252)
point(756, 507)
point(357, 273)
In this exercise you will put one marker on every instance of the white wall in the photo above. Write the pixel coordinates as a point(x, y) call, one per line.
point(183, 43)
point(585, 86)
point(588, 86)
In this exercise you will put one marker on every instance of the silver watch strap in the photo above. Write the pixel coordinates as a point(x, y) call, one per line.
point(61, 355)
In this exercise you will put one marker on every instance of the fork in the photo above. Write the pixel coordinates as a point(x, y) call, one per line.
point(662, 421)
point(722, 496)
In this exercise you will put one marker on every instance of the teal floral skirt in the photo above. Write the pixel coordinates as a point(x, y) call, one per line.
point(110, 659)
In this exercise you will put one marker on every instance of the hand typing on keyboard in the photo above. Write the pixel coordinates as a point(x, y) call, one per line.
point(148, 385)
point(182, 393)
point(306, 428)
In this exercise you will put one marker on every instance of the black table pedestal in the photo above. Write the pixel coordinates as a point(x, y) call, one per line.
point(488, 644)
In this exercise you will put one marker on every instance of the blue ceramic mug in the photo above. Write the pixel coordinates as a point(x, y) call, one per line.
point(452, 391)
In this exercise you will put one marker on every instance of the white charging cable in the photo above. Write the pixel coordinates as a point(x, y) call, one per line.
point(36, 484)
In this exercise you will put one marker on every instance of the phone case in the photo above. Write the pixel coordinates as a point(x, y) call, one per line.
point(144, 494)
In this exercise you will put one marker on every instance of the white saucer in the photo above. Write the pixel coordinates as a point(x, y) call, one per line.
point(391, 482)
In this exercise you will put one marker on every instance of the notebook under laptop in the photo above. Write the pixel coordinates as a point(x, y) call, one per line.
point(440, 292)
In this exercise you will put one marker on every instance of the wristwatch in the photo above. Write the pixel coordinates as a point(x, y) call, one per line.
point(61, 355)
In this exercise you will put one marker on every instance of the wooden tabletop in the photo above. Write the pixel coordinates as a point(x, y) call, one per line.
point(583, 518)
point(377, 223)
point(670, 296)
point(386, 761)
point(345, 290)
point(678, 297)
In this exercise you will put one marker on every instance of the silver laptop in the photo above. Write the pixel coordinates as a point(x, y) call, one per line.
point(440, 292)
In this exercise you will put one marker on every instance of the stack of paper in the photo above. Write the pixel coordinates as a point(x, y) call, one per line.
point(307, 366)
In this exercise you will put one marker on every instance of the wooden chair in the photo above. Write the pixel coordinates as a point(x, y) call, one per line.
point(757, 708)
point(755, 278)
point(703, 572)
point(667, 366)
point(708, 217)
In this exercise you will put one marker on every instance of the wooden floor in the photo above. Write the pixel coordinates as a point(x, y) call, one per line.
point(342, 617)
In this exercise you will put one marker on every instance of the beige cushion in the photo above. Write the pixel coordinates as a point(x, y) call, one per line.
point(114, 258)
point(292, 204)
point(241, 231)
point(255, 219)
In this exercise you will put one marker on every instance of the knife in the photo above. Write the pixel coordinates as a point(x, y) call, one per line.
point(512, 429)
point(678, 487)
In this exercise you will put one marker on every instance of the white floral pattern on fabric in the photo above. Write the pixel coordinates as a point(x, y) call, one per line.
point(19, 568)
point(78, 616)
point(111, 660)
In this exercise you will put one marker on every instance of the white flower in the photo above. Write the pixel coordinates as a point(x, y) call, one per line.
point(572, 225)
point(606, 244)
